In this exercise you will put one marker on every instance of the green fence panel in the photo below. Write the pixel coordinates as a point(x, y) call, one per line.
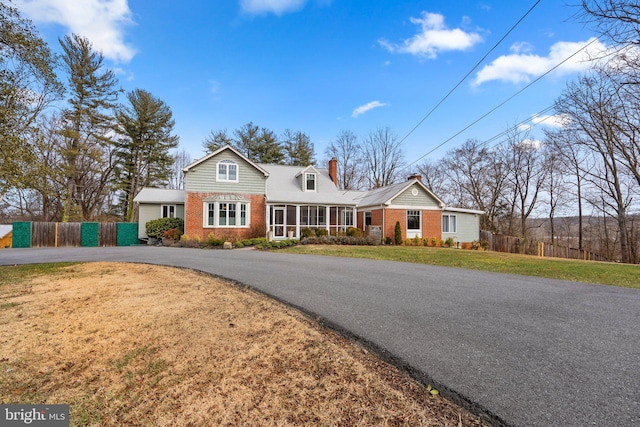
point(128, 233)
point(21, 235)
point(89, 231)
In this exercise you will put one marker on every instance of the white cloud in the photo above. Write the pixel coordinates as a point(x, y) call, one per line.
point(100, 21)
point(555, 121)
point(434, 37)
point(522, 66)
point(277, 7)
point(367, 107)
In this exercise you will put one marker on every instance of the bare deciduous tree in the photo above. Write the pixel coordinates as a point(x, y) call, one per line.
point(382, 157)
point(348, 152)
point(596, 119)
point(525, 176)
point(479, 175)
point(181, 159)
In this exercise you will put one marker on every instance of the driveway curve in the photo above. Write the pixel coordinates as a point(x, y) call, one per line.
point(524, 351)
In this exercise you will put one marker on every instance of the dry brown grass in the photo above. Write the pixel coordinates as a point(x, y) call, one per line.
point(128, 344)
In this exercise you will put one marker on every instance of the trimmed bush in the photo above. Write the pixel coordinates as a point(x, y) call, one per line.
point(340, 240)
point(157, 227)
point(397, 234)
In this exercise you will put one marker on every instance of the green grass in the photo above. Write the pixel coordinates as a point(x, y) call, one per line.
point(14, 274)
point(623, 275)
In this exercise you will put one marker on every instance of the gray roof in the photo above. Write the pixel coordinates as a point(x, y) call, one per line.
point(384, 195)
point(160, 195)
point(284, 186)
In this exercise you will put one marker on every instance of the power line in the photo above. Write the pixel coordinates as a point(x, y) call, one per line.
point(503, 102)
point(470, 71)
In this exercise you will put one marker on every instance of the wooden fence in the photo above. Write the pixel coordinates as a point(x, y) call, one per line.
point(557, 251)
point(61, 234)
point(517, 245)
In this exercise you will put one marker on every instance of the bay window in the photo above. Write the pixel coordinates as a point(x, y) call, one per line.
point(227, 214)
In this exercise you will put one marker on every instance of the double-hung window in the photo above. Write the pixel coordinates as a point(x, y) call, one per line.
point(413, 220)
point(310, 181)
point(227, 214)
point(168, 211)
point(449, 224)
point(227, 171)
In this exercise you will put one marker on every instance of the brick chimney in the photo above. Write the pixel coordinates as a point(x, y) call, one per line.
point(415, 176)
point(333, 170)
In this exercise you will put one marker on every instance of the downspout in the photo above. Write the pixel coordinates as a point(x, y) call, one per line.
point(267, 219)
point(384, 223)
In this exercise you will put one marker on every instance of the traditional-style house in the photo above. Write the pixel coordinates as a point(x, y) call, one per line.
point(229, 196)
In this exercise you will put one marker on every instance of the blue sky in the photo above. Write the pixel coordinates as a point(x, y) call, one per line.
point(323, 66)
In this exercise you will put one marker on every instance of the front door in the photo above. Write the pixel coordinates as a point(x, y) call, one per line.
point(278, 222)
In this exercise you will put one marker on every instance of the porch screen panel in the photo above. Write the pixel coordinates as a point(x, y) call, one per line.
point(291, 215)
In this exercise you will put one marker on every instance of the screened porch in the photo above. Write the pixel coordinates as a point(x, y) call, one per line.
point(286, 220)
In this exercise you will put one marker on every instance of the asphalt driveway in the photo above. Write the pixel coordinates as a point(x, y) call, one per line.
point(528, 351)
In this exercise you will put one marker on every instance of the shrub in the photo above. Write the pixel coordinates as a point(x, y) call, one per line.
point(417, 241)
point(397, 234)
point(172, 234)
point(434, 241)
point(306, 232)
point(449, 242)
point(321, 232)
point(387, 240)
point(238, 245)
point(354, 232)
point(212, 240)
point(157, 227)
point(340, 240)
point(258, 241)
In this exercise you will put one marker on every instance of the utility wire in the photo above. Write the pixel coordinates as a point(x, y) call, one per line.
point(470, 72)
point(502, 103)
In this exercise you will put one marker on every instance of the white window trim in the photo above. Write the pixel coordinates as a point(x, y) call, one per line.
point(449, 216)
point(419, 220)
point(175, 211)
point(216, 214)
point(227, 163)
point(315, 181)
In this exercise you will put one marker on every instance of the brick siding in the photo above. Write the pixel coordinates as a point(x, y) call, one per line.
point(194, 218)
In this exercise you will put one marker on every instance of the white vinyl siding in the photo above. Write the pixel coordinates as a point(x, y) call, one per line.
point(467, 226)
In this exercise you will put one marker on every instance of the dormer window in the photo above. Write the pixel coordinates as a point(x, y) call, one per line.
point(310, 181)
point(227, 171)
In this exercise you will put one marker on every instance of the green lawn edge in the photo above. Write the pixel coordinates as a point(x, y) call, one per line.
point(603, 273)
